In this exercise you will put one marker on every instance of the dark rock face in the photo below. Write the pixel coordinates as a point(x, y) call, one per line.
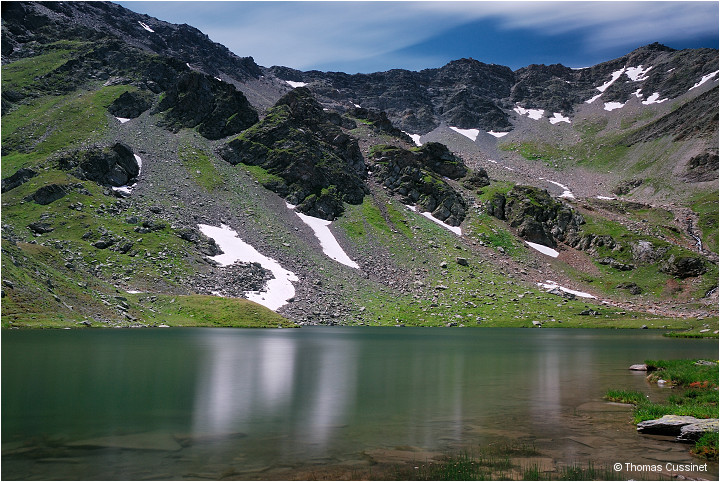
point(477, 180)
point(317, 166)
point(45, 22)
point(683, 266)
point(438, 158)
point(131, 104)
point(107, 166)
point(703, 167)
point(20, 177)
point(214, 107)
point(469, 94)
point(379, 121)
point(49, 194)
point(537, 216)
point(417, 177)
point(697, 118)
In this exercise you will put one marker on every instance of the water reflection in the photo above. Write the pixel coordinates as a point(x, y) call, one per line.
point(294, 386)
point(317, 395)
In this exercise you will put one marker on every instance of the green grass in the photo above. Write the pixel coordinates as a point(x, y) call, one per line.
point(213, 311)
point(625, 396)
point(261, 175)
point(200, 167)
point(684, 372)
point(21, 74)
point(51, 124)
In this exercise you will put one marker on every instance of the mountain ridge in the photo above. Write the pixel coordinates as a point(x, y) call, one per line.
point(420, 219)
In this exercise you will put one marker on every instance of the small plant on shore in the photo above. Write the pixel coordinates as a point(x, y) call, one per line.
point(707, 446)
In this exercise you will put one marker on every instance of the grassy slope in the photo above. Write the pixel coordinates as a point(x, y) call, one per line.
point(423, 294)
point(46, 282)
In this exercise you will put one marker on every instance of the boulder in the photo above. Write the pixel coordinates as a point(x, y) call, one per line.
point(667, 425)
point(615, 264)
point(108, 166)
point(20, 177)
point(692, 432)
point(131, 104)
point(639, 367)
point(48, 194)
point(683, 266)
point(40, 228)
point(645, 252)
point(632, 287)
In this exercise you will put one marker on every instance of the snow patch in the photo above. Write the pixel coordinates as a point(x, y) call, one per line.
point(296, 84)
point(593, 99)
point(606, 198)
point(653, 99)
point(615, 75)
point(566, 190)
point(328, 243)
point(637, 74)
point(415, 138)
point(543, 249)
point(455, 229)
point(558, 117)
point(146, 26)
point(551, 285)
point(490, 160)
point(278, 290)
point(134, 292)
point(535, 114)
point(123, 119)
point(705, 78)
point(638, 94)
point(469, 133)
point(610, 106)
point(498, 134)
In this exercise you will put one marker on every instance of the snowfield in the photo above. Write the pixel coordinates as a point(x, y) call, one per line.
point(551, 285)
point(279, 290)
point(534, 114)
point(469, 133)
point(705, 78)
point(455, 229)
point(543, 249)
point(328, 242)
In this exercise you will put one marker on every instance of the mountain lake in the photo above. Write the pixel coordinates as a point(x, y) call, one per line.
point(321, 402)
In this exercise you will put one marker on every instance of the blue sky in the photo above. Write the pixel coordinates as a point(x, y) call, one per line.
point(377, 36)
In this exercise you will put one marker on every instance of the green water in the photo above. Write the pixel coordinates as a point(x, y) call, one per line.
point(210, 403)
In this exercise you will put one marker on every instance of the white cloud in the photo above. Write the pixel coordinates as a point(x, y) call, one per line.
point(307, 34)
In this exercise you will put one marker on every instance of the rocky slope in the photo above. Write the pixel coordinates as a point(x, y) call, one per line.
point(125, 136)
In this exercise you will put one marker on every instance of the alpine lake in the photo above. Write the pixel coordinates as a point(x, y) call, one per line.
point(323, 402)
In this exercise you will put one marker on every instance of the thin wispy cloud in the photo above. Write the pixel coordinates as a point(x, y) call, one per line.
point(371, 36)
